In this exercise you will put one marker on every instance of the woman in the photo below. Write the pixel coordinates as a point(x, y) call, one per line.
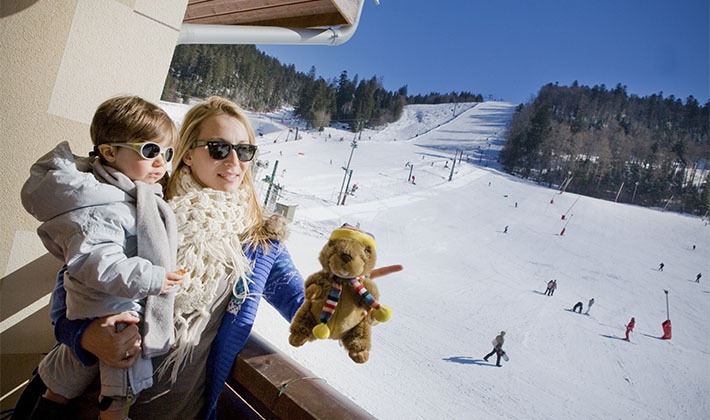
point(232, 256)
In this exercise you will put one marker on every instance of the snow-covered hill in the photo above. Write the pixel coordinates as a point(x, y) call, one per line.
point(465, 280)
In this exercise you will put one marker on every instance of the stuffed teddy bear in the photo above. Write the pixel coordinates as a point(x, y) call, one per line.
point(341, 300)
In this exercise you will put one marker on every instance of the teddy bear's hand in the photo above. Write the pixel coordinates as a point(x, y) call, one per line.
point(313, 292)
point(382, 314)
point(371, 317)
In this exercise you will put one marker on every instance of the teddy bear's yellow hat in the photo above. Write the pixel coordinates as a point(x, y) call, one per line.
point(348, 232)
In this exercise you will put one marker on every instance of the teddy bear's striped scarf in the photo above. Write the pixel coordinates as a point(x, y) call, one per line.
point(209, 223)
point(336, 290)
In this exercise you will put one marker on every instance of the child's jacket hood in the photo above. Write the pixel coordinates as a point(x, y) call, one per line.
point(70, 183)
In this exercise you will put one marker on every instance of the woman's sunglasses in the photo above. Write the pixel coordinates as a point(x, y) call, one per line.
point(148, 150)
point(219, 150)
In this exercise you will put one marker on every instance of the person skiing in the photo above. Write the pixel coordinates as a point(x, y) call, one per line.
point(660, 267)
point(554, 287)
point(577, 305)
point(589, 306)
point(506, 229)
point(497, 348)
point(549, 288)
point(697, 278)
point(630, 327)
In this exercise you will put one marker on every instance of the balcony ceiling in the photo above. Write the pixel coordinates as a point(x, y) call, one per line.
point(284, 13)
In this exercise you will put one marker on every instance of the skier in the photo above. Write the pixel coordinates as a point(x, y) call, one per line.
point(577, 305)
point(549, 287)
point(697, 278)
point(506, 229)
point(497, 348)
point(630, 327)
point(554, 286)
point(413, 183)
point(589, 306)
point(660, 267)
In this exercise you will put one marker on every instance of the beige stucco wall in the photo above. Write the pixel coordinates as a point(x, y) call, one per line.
point(59, 59)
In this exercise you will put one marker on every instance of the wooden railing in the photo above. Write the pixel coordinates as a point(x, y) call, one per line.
point(267, 384)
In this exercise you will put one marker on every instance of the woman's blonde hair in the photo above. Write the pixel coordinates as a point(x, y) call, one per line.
point(190, 131)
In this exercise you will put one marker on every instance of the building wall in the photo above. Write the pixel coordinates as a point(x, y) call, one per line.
point(59, 60)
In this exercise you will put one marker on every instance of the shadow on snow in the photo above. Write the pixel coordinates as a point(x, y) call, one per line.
point(466, 360)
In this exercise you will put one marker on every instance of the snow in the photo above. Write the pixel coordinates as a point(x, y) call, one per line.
point(464, 280)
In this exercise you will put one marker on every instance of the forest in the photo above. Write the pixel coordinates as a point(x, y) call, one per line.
point(652, 151)
point(259, 82)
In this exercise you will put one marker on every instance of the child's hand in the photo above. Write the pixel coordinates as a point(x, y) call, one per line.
point(172, 280)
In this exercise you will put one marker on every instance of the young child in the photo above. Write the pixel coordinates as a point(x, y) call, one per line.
point(105, 217)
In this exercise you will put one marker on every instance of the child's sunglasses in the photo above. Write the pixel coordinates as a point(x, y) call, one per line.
point(219, 150)
point(148, 150)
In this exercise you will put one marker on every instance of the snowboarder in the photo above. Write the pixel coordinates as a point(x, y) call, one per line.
point(697, 278)
point(506, 229)
point(630, 327)
point(577, 305)
point(589, 306)
point(660, 267)
point(497, 348)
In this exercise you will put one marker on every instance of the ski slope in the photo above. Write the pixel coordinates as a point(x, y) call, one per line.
point(464, 280)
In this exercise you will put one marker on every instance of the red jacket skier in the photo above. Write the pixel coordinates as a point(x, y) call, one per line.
point(630, 327)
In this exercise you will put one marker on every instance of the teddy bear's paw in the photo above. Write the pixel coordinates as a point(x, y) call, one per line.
point(313, 292)
point(297, 340)
point(312, 295)
point(359, 356)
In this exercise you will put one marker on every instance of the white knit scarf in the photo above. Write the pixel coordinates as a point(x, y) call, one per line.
point(209, 223)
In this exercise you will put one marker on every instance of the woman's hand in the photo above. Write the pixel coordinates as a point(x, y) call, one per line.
point(117, 349)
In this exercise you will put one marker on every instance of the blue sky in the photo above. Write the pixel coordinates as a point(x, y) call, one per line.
point(510, 48)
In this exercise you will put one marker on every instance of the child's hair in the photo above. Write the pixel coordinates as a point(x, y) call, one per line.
point(125, 119)
point(190, 131)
